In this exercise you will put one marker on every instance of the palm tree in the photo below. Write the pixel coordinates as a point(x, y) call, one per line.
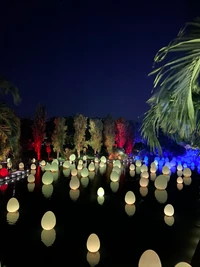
point(174, 107)
point(9, 122)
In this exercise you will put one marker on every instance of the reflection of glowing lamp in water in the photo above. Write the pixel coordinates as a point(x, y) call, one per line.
point(54, 167)
point(13, 205)
point(48, 221)
point(91, 175)
point(187, 180)
point(169, 220)
point(145, 174)
point(179, 173)
point(31, 187)
point(143, 191)
point(153, 176)
point(117, 170)
point(169, 210)
point(100, 200)
point(100, 192)
point(31, 178)
point(66, 172)
point(85, 181)
point(74, 194)
point(12, 217)
point(48, 237)
point(179, 187)
point(93, 258)
point(130, 198)
point(161, 196)
point(80, 167)
point(103, 159)
point(132, 173)
point(47, 190)
point(74, 183)
point(114, 186)
point(130, 209)
point(149, 258)
point(93, 243)
point(47, 178)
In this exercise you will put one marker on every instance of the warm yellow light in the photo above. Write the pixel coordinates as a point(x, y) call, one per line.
point(149, 259)
point(179, 180)
point(91, 167)
point(130, 198)
point(183, 264)
point(93, 243)
point(100, 192)
point(84, 172)
point(143, 182)
point(43, 163)
point(169, 210)
point(48, 221)
point(66, 164)
point(21, 165)
point(132, 167)
point(12, 217)
point(145, 174)
point(161, 182)
point(144, 168)
point(31, 178)
point(72, 157)
point(114, 176)
point(138, 163)
point(47, 178)
point(13, 205)
point(187, 172)
point(74, 172)
point(165, 170)
point(74, 183)
point(33, 166)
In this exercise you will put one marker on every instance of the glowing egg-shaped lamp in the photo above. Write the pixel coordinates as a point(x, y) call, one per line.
point(33, 166)
point(165, 170)
point(93, 243)
point(117, 169)
point(74, 183)
point(48, 221)
point(187, 172)
point(96, 160)
point(12, 205)
point(169, 210)
point(183, 264)
point(132, 167)
point(31, 178)
point(72, 157)
point(161, 182)
point(130, 198)
point(149, 258)
point(85, 158)
point(145, 174)
point(43, 163)
point(74, 172)
point(79, 167)
point(114, 176)
point(143, 182)
point(179, 180)
point(54, 167)
point(138, 163)
point(117, 163)
point(66, 164)
point(91, 167)
point(179, 167)
point(153, 169)
point(103, 159)
point(100, 192)
point(21, 165)
point(80, 162)
point(47, 178)
point(47, 167)
point(84, 172)
point(153, 165)
point(144, 168)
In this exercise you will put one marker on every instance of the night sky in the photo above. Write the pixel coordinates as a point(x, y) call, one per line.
point(89, 57)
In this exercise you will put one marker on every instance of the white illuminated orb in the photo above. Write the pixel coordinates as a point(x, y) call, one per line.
point(43, 163)
point(47, 178)
point(183, 264)
point(93, 243)
point(72, 157)
point(149, 258)
point(84, 172)
point(187, 172)
point(138, 163)
point(132, 167)
point(48, 221)
point(179, 180)
point(54, 167)
point(103, 159)
point(74, 172)
point(100, 192)
point(114, 176)
point(161, 182)
point(130, 198)
point(145, 174)
point(91, 167)
point(31, 178)
point(66, 164)
point(12, 205)
point(21, 165)
point(33, 166)
point(179, 167)
point(74, 183)
point(165, 170)
point(117, 163)
point(143, 182)
point(169, 210)
point(144, 168)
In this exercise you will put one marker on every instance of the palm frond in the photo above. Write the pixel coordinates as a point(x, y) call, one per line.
point(8, 87)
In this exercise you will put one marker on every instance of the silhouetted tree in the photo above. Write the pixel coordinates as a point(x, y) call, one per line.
point(109, 133)
point(80, 125)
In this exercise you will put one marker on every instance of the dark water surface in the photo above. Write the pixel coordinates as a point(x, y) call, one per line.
point(123, 238)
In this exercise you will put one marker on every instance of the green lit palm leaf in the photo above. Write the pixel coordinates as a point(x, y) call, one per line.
point(7, 87)
point(172, 107)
